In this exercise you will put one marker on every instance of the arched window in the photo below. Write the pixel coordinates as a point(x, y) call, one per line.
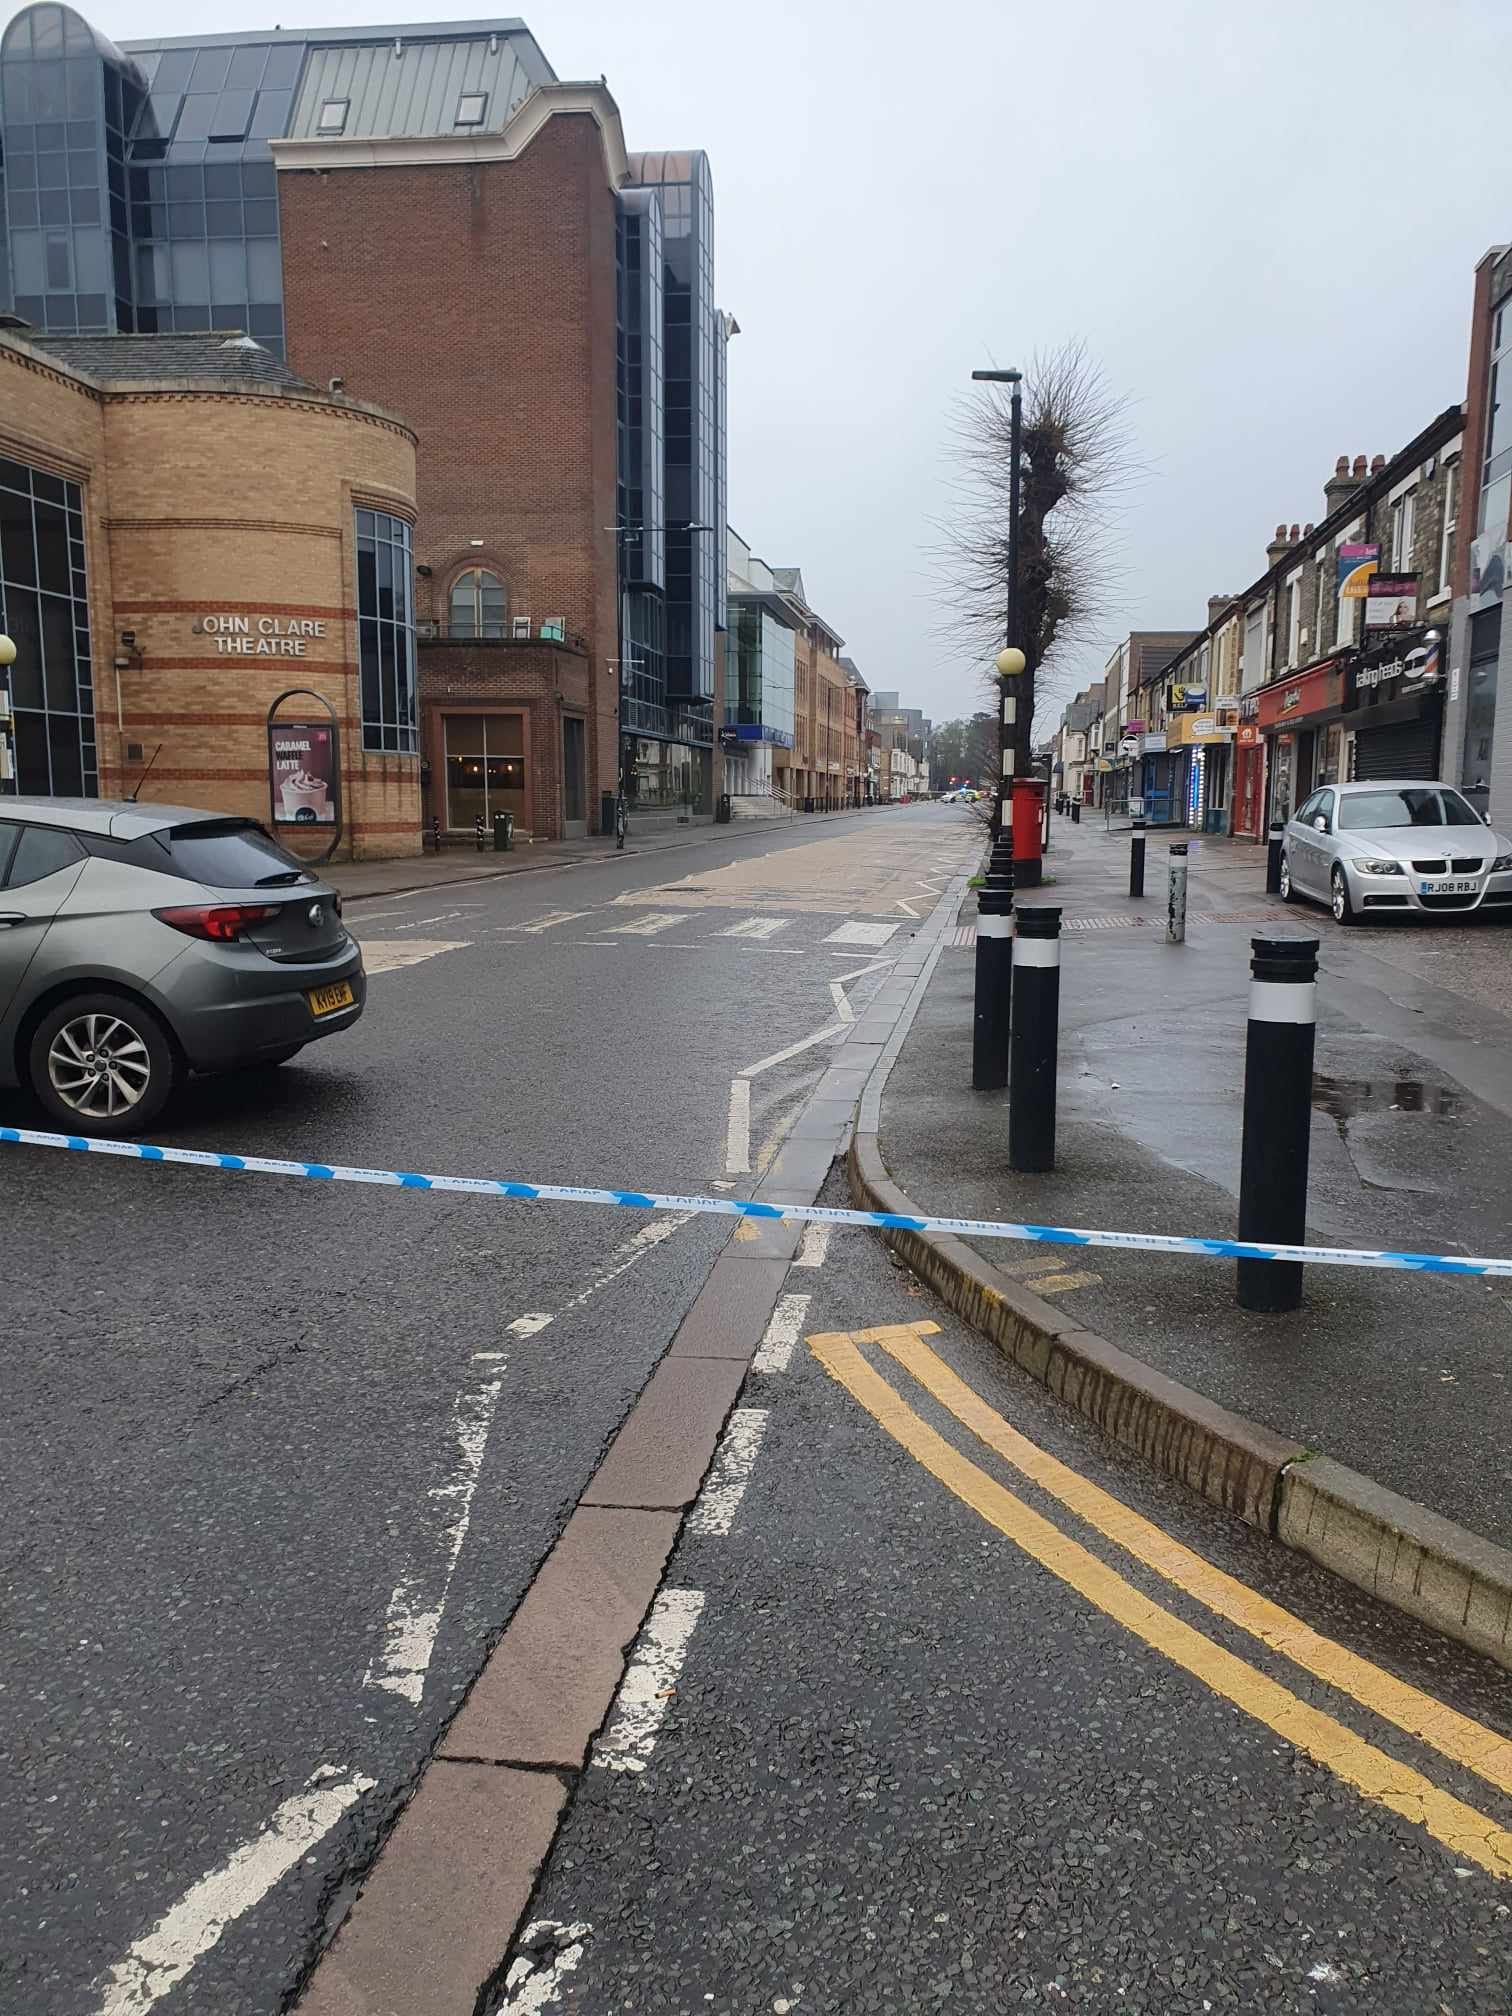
point(477, 604)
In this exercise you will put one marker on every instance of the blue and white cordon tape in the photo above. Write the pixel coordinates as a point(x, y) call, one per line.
point(750, 1207)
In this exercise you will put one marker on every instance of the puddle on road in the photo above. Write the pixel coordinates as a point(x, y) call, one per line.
point(1344, 1099)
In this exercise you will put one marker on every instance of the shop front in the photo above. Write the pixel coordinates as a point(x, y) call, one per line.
point(1248, 816)
point(1158, 782)
point(1203, 751)
point(1394, 704)
point(1300, 718)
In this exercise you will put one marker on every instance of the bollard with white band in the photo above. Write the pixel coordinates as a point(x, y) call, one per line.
point(1274, 845)
point(1036, 1026)
point(1176, 896)
point(1278, 1073)
point(1137, 858)
point(994, 983)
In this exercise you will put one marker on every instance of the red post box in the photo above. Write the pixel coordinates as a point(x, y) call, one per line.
point(1028, 812)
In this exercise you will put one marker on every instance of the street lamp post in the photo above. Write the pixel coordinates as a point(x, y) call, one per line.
point(1008, 705)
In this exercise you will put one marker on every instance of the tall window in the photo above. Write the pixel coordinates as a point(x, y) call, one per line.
point(386, 633)
point(477, 604)
point(1451, 522)
point(1403, 525)
point(44, 603)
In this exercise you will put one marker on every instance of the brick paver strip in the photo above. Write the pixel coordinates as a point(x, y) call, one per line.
point(550, 1680)
point(436, 1912)
point(659, 1456)
point(733, 1307)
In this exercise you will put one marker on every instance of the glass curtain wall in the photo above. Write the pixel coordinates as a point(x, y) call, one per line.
point(386, 633)
point(44, 604)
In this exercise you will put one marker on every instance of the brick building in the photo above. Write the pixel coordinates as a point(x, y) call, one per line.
point(545, 319)
point(187, 531)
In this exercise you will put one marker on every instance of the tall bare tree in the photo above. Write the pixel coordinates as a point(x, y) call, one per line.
point(1074, 468)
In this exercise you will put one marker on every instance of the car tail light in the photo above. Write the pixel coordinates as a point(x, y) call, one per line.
point(220, 922)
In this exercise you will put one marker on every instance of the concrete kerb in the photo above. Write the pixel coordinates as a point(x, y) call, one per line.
point(1396, 1550)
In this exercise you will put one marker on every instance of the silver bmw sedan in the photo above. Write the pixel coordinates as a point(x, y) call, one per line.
point(1386, 846)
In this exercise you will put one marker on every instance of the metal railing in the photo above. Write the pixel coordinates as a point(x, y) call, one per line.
point(513, 630)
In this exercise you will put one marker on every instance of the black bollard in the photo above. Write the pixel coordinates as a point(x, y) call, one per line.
point(994, 985)
point(1273, 858)
point(1076, 811)
point(478, 831)
point(1036, 1028)
point(1278, 1071)
point(1136, 859)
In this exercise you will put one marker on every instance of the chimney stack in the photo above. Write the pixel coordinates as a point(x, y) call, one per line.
point(1359, 469)
point(1280, 546)
point(1217, 605)
point(1377, 464)
point(1339, 486)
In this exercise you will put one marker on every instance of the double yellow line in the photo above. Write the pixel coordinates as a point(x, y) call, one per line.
point(1459, 1827)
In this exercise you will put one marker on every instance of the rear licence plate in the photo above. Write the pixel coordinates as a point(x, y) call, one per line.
point(1459, 887)
point(326, 1000)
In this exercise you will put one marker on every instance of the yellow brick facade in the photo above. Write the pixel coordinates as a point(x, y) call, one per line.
point(205, 503)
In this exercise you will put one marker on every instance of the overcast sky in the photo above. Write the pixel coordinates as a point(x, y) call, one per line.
point(1262, 221)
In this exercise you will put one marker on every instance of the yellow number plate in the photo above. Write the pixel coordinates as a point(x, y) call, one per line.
point(326, 1000)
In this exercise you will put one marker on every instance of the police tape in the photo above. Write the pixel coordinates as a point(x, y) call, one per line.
point(752, 1207)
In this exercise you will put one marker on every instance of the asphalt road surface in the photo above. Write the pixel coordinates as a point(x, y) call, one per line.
point(282, 1458)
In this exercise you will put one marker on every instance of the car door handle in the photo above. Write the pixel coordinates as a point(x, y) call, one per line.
point(12, 917)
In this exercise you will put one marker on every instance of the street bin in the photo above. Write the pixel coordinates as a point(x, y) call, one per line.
point(722, 810)
point(503, 825)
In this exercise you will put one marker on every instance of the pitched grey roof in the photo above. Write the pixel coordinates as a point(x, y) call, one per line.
point(228, 359)
point(417, 90)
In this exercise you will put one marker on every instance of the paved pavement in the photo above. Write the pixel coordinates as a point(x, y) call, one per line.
point(285, 1459)
point(1407, 1378)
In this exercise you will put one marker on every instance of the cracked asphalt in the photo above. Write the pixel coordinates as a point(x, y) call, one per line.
point(902, 1766)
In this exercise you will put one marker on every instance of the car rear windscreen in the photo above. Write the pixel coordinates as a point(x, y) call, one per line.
point(227, 854)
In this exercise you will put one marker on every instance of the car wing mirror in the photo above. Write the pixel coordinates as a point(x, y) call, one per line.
point(1321, 824)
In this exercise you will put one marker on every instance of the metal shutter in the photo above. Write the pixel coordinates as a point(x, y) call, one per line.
point(1406, 749)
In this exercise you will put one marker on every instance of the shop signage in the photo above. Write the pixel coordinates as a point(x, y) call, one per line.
point(1249, 735)
point(1391, 602)
point(1290, 699)
point(259, 636)
point(302, 767)
point(1249, 707)
point(1153, 744)
point(1188, 696)
point(1356, 564)
point(1413, 668)
point(1315, 691)
point(1204, 724)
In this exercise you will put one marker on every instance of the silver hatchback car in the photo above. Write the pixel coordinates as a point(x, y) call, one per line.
point(141, 942)
point(1386, 846)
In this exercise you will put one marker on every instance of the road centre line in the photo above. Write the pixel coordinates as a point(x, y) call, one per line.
point(813, 1248)
point(782, 1333)
point(529, 1988)
point(1455, 1736)
point(1371, 1772)
point(525, 1326)
point(738, 1129)
point(650, 1681)
point(734, 1460)
point(419, 1599)
point(157, 1962)
point(621, 1260)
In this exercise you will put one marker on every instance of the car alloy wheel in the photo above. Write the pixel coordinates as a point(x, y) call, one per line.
point(1286, 881)
point(1339, 902)
point(99, 1066)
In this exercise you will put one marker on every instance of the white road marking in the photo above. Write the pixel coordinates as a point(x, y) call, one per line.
point(734, 1460)
point(813, 1249)
point(525, 1326)
point(755, 927)
point(784, 1330)
point(793, 1050)
point(738, 1129)
point(842, 1007)
point(650, 1681)
point(549, 922)
point(861, 972)
point(416, 1606)
point(384, 955)
point(441, 917)
point(625, 1256)
point(652, 922)
point(158, 1962)
point(900, 904)
point(528, 1987)
point(861, 934)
